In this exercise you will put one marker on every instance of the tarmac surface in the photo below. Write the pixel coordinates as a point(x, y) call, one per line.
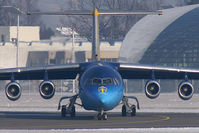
point(87, 120)
point(166, 114)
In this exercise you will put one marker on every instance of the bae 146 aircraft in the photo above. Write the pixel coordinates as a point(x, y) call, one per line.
point(101, 86)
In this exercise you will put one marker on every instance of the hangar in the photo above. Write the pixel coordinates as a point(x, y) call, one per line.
point(169, 40)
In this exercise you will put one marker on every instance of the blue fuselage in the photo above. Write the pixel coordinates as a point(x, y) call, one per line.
point(100, 87)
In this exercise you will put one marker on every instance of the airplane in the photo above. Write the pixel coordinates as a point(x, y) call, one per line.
point(101, 85)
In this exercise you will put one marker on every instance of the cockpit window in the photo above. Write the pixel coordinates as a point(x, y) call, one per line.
point(102, 81)
point(116, 81)
point(97, 81)
point(107, 81)
point(88, 82)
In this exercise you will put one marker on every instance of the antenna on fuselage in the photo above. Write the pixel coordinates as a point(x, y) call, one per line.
point(95, 13)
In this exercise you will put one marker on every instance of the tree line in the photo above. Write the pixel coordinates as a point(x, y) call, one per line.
point(111, 27)
point(8, 16)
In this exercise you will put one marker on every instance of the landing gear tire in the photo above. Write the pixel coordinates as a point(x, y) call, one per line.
point(123, 110)
point(133, 110)
point(105, 116)
point(63, 111)
point(99, 116)
point(73, 113)
point(102, 117)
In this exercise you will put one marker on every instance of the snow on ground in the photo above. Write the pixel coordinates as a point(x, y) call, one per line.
point(166, 102)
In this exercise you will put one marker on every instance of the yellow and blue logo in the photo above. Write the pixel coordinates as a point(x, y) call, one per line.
point(102, 89)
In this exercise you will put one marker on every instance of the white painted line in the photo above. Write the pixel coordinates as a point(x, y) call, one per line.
point(117, 130)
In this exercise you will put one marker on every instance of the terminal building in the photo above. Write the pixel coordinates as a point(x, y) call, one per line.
point(32, 51)
point(171, 39)
point(36, 52)
point(39, 53)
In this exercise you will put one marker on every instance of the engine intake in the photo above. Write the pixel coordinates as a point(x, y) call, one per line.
point(152, 89)
point(47, 89)
point(13, 91)
point(185, 90)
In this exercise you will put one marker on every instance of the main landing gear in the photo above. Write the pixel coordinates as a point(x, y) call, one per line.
point(127, 108)
point(69, 108)
point(102, 115)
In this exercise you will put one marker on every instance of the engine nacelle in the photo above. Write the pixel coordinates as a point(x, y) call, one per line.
point(13, 91)
point(152, 89)
point(47, 89)
point(185, 90)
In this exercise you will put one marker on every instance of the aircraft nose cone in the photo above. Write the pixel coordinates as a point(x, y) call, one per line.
point(103, 101)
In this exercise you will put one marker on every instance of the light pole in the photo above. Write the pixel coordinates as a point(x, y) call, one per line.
point(17, 39)
point(17, 43)
point(73, 55)
point(73, 42)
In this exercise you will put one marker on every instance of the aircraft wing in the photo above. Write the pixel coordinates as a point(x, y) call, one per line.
point(67, 71)
point(138, 71)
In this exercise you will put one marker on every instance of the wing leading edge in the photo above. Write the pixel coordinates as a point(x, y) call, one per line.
point(67, 71)
point(138, 71)
point(70, 71)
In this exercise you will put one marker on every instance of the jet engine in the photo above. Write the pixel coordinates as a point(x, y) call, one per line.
point(185, 90)
point(152, 89)
point(47, 89)
point(13, 91)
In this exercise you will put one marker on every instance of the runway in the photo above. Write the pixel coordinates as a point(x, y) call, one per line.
point(41, 120)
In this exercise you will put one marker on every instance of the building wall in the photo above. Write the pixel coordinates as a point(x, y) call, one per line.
point(4, 31)
point(177, 45)
point(26, 33)
point(43, 53)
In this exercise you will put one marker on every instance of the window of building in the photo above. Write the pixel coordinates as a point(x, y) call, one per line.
point(2, 38)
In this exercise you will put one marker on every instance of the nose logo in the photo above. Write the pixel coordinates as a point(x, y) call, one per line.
point(102, 89)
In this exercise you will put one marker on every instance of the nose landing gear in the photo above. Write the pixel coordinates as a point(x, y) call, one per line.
point(102, 115)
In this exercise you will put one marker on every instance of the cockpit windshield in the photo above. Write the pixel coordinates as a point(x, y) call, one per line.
point(104, 81)
point(107, 81)
point(97, 81)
